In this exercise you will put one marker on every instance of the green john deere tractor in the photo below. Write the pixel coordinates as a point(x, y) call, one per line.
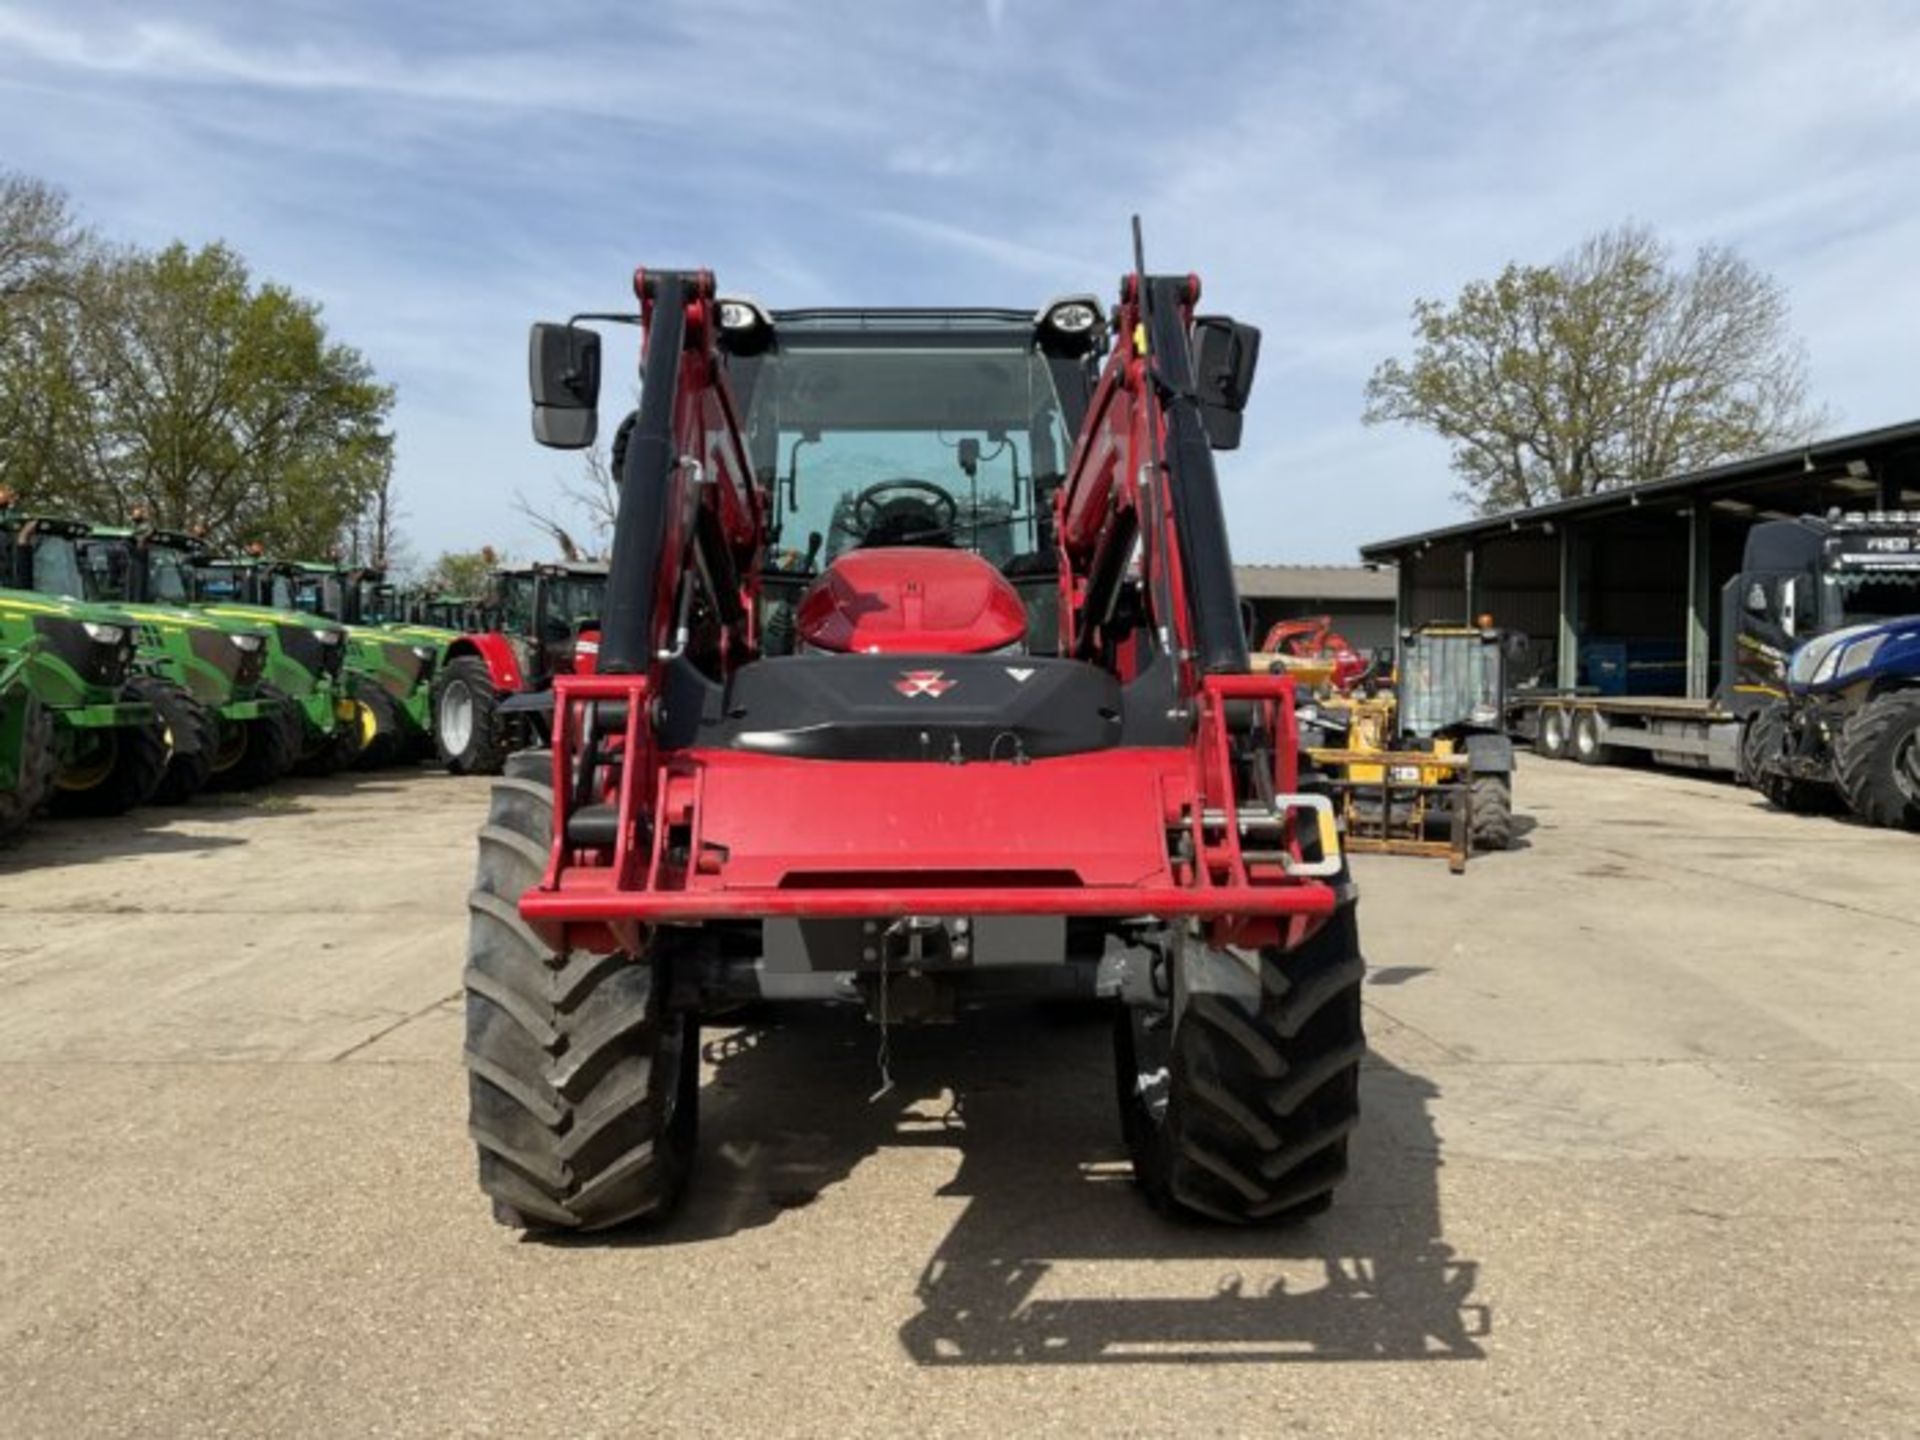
point(389, 670)
point(203, 675)
point(306, 659)
point(89, 738)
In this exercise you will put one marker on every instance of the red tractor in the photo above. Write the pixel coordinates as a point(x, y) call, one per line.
point(545, 621)
point(921, 685)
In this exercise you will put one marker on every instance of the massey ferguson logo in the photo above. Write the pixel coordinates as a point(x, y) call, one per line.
point(923, 682)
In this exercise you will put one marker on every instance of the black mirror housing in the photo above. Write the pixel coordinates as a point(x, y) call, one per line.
point(1225, 355)
point(563, 373)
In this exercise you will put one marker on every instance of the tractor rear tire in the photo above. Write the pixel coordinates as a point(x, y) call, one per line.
point(35, 781)
point(470, 734)
point(1492, 815)
point(1876, 758)
point(195, 731)
point(1766, 740)
point(271, 747)
point(1241, 1114)
point(388, 746)
point(140, 756)
point(1555, 734)
point(583, 1087)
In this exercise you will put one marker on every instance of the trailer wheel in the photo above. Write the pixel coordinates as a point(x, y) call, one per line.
point(1554, 739)
point(470, 733)
point(1877, 760)
point(1237, 1097)
point(583, 1088)
point(34, 782)
point(195, 733)
point(1492, 812)
point(1588, 747)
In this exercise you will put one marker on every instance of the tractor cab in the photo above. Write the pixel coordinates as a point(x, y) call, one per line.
point(912, 457)
point(546, 609)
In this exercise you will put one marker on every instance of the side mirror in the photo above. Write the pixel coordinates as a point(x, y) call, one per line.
point(1756, 599)
point(563, 371)
point(1225, 354)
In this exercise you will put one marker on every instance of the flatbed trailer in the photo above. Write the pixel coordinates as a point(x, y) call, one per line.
point(1691, 734)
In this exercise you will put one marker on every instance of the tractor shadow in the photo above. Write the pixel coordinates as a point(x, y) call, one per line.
point(1056, 1258)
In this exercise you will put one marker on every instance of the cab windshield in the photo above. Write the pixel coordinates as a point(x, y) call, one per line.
point(1879, 596)
point(946, 442)
point(56, 567)
point(167, 575)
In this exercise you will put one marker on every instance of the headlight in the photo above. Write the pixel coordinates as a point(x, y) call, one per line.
point(105, 634)
point(330, 637)
point(1074, 318)
point(1857, 656)
point(247, 643)
point(423, 652)
point(740, 313)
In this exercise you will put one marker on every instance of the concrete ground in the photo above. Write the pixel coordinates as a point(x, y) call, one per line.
point(1641, 1155)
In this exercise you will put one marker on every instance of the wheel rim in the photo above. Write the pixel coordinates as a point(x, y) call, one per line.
point(1583, 739)
point(233, 744)
point(93, 774)
point(456, 718)
point(368, 722)
point(1553, 730)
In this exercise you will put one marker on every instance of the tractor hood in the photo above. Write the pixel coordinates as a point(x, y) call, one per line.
point(907, 600)
point(1887, 648)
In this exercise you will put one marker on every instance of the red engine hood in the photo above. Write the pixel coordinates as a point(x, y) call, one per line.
point(906, 600)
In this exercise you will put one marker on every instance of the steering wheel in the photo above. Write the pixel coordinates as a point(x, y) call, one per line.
point(888, 509)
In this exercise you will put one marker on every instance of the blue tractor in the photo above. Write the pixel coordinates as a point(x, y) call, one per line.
point(1846, 732)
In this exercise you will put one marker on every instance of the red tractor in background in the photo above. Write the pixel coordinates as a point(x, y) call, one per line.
point(922, 685)
point(544, 622)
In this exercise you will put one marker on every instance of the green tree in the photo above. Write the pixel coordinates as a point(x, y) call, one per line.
point(1609, 367)
point(463, 572)
point(175, 383)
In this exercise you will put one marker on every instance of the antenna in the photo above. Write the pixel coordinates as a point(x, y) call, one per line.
point(1139, 289)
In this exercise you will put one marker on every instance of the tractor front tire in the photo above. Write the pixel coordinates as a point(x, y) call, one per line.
point(389, 730)
point(195, 731)
point(1877, 760)
point(583, 1087)
point(270, 746)
point(470, 734)
point(35, 779)
point(1237, 1099)
point(1765, 742)
point(139, 761)
point(1492, 814)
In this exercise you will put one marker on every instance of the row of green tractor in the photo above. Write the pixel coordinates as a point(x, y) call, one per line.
point(139, 666)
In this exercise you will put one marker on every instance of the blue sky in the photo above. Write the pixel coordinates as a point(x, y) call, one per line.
point(440, 174)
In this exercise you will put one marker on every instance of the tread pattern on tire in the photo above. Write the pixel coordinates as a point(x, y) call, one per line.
point(35, 781)
point(1260, 1104)
point(1864, 755)
point(1492, 812)
point(195, 733)
point(273, 745)
point(571, 1059)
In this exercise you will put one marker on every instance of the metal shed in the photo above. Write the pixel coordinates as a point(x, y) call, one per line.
point(1643, 564)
